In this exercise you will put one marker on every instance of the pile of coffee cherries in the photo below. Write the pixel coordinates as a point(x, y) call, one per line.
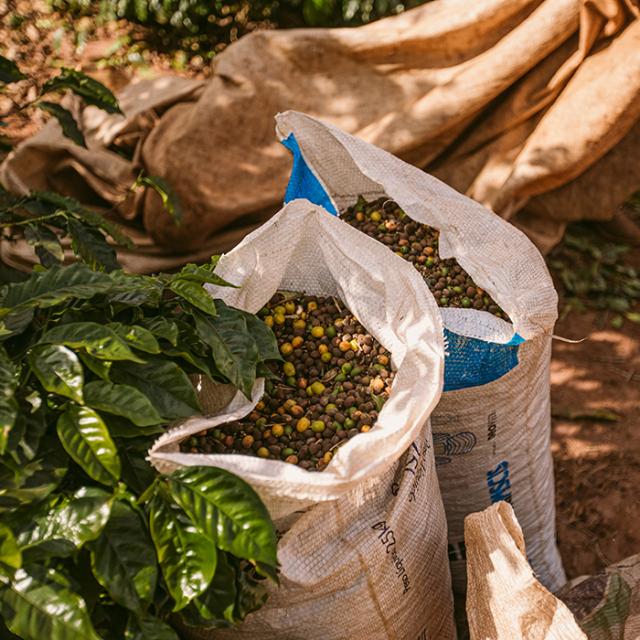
point(418, 243)
point(330, 387)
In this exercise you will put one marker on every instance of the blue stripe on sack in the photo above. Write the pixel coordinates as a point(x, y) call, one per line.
point(303, 183)
point(469, 362)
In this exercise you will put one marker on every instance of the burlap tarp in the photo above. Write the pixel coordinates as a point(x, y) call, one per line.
point(530, 106)
point(506, 601)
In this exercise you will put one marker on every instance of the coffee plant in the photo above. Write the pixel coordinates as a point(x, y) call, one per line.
point(95, 364)
point(200, 26)
point(91, 91)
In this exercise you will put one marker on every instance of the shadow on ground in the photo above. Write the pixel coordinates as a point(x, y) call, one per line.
point(595, 392)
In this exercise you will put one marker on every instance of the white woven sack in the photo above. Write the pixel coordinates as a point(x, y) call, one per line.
point(363, 551)
point(491, 438)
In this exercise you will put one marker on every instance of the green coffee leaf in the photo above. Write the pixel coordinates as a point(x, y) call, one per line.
point(30, 427)
point(170, 200)
point(99, 367)
point(162, 328)
point(227, 510)
point(264, 338)
point(215, 608)
point(39, 603)
point(92, 91)
point(191, 358)
point(125, 429)
point(66, 120)
point(98, 340)
point(35, 480)
point(121, 400)
point(60, 528)
point(137, 473)
point(234, 350)
point(135, 290)
point(252, 593)
point(123, 559)
point(148, 628)
point(50, 288)
point(10, 554)
point(91, 245)
point(164, 383)
point(15, 323)
point(59, 370)
point(186, 556)
point(48, 202)
point(204, 274)
point(45, 243)
point(136, 336)
point(8, 403)
point(9, 71)
point(110, 228)
point(195, 294)
point(86, 439)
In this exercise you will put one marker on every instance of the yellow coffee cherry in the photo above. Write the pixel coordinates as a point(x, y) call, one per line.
point(318, 388)
point(303, 424)
point(268, 321)
point(247, 441)
point(297, 341)
point(317, 332)
point(279, 318)
point(312, 306)
point(326, 458)
point(289, 369)
point(286, 348)
point(277, 430)
point(290, 307)
point(323, 348)
point(280, 309)
point(263, 452)
point(375, 216)
point(299, 324)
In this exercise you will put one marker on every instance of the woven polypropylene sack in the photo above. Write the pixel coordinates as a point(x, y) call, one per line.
point(505, 601)
point(492, 425)
point(363, 552)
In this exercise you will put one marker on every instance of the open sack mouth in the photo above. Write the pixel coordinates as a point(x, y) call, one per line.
point(332, 382)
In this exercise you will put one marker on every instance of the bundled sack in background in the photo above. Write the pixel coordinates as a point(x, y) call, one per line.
point(363, 551)
point(531, 107)
point(607, 605)
point(505, 601)
point(492, 425)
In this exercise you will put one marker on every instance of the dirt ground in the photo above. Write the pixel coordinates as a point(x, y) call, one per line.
point(597, 455)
